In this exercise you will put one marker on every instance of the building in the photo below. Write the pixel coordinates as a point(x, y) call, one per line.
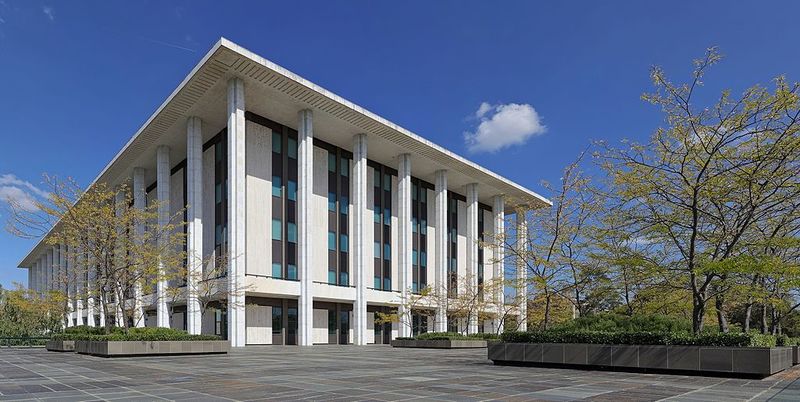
point(335, 213)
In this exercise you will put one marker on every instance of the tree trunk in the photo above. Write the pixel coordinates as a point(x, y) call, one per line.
point(764, 318)
point(546, 321)
point(722, 320)
point(748, 312)
point(698, 312)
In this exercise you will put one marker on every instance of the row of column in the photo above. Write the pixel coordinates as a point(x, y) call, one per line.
point(236, 228)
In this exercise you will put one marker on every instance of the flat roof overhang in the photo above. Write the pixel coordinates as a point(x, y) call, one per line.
point(278, 94)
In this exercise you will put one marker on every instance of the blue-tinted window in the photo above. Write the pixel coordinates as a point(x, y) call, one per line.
point(332, 277)
point(332, 241)
point(331, 201)
point(331, 162)
point(291, 271)
point(343, 242)
point(344, 278)
point(276, 186)
point(292, 144)
point(277, 230)
point(291, 232)
point(276, 270)
point(345, 167)
point(291, 187)
point(276, 142)
point(387, 251)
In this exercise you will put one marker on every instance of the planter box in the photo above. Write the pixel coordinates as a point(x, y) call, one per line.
point(757, 362)
point(60, 346)
point(438, 344)
point(150, 348)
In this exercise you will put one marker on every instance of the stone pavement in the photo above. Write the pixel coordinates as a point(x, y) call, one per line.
point(348, 373)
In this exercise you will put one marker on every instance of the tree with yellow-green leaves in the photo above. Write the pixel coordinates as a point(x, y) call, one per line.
point(119, 246)
point(707, 181)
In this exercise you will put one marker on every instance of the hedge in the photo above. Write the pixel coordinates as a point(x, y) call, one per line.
point(135, 334)
point(452, 336)
point(642, 338)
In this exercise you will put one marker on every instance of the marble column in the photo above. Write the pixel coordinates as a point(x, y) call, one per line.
point(472, 251)
point(498, 211)
point(305, 189)
point(236, 212)
point(80, 282)
point(522, 272)
point(67, 281)
point(194, 214)
point(405, 240)
point(163, 168)
point(440, 188)
point(92, 307)
point(360, 227)
point(139, 203)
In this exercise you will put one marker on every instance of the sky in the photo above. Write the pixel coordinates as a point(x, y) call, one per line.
point(519, 87)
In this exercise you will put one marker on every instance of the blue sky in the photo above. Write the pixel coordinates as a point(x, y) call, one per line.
point(77, 79)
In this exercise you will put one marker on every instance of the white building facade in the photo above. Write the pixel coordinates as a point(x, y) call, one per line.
point(327, 213)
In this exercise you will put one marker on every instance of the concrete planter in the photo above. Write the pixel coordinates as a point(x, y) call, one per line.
point(758, 362)
point(60, 345)
point(150, 348)
point(438, 344)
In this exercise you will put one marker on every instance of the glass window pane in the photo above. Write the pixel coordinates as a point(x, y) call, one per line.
point(376, 214)
point(331, 162)
point(276, 229)
point(376, 178)
point(344, 278)
point(291, 271)
point(377, 250)
point(344, 168)
point(291, 187)
point(276, 186)
point(276, 142)
point(292, 144)
point(291, 232)
point(343, 242)
point(332, 241)
point(332, 277)
point(331, 201)
point(387, 252)
point(277, 270)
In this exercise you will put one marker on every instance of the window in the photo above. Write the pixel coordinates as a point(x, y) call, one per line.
point(291, 232)
point(276, 186)
point(277, 229)
point(382, 224)
point(284, 200)
point(419, 241)
point(338, 215)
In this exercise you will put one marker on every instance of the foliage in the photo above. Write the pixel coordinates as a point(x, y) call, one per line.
point(137, 334)
point(453, 336)
point(610, 322)
point(26, 314)
point(641, 338)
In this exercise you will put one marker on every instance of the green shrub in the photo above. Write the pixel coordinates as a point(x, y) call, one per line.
point(137, 334)
point(452, 336)
point(641, 338)
point(610, 322)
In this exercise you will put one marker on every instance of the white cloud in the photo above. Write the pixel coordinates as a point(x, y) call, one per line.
point(502, 126)
point(20, 192)
point(49, 12)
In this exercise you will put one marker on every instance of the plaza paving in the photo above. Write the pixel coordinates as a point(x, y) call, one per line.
point(348, 373)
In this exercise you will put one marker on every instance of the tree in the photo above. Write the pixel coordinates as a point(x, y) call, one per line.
point(102, 231)
point(557, 247)
point(702, 184)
